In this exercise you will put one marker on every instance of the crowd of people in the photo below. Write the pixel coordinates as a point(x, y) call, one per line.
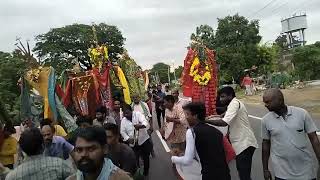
point(118, 145)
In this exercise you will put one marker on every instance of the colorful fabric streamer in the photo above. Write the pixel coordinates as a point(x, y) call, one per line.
point(51, 93)
point(124, 84)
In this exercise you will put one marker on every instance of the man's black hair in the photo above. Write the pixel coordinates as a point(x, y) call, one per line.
point(47, 122)
point(9, 128)
point(169, 98)
point(93, 134)
point(126, 107)
point(113, 128)
point(102, 109)
point(229, 91)
point(31, 142)
point(196, 108)
point(84, 119)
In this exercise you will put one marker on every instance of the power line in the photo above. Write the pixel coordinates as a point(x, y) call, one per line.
point(264, 7)
point(297, 7)
point(303, 4)
point(279, 7)
point(274, 10)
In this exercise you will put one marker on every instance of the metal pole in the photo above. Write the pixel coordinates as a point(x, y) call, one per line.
point(303, 38)
point(169, 74)
point(174, 72)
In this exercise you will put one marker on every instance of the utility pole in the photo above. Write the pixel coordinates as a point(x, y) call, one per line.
point(169, 74)
point(174, 71)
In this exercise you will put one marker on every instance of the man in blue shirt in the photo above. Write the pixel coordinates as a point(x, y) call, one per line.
point(158, 99)
point(55, 146)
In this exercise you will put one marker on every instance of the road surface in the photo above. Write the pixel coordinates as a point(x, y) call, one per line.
point(161, 167)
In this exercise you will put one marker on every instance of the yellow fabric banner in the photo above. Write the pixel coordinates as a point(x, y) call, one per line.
point(124, 84)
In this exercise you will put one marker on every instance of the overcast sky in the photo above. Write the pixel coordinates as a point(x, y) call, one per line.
point(156, 30)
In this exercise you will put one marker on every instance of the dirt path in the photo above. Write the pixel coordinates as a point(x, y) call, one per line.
point(307, 98)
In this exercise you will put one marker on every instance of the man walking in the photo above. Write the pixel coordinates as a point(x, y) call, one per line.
point(175, 115)
point(37, 166)
point(55, 146)
point(158, 98)
point(205, 144)
point(284, 132)
point(240, 132)
point(120, 154)
point(134, 132)
point(143, 108)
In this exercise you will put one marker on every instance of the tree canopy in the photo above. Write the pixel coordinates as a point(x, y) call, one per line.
point(281, 41)
point(11, 68)
point(306, 60)
point(161, 69)
point(178, 71)
point(58, 46)
point(236, 42)
point(237, 46)
point(205, 35)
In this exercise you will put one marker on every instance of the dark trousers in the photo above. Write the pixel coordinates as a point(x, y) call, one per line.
point(159, 113)
point(144, 151)
point(284, 179)
point(244, 162)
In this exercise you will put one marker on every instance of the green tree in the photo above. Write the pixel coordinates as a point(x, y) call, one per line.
point(205, 35)
point(281, 41)
point(236, 44)
point(306, 60)
point(11, 69)
point(267, 58)
point(160, 70)
point(179, 71)
point(60, 45)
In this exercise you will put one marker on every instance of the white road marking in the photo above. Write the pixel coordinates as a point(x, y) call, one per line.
point(259, 118)
point(164, 144)
point(255, 117)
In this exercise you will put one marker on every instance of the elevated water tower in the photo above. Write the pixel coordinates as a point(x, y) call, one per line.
point(294, 27)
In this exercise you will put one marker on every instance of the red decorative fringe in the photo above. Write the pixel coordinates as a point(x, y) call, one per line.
point(198, 93)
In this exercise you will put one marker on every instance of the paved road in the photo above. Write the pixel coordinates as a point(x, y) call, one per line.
point(161, 168)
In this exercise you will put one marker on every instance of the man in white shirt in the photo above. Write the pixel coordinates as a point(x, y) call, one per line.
point(142, 107)
point(134, 132)
point(240, 132)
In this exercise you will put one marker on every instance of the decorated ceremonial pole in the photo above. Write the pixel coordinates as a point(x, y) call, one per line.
point(199, 79)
